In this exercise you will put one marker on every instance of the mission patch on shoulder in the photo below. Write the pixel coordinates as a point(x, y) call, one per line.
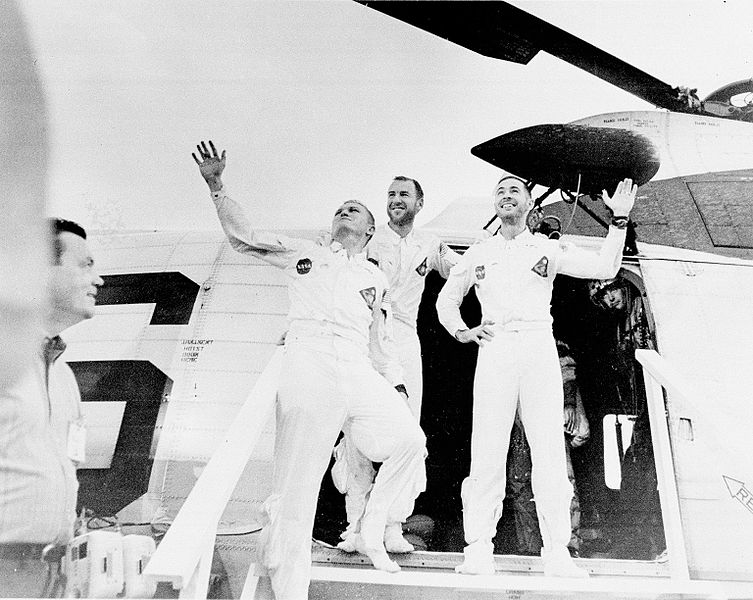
point(480, 272)
point(542, 267)
point(422, 268)
point(369, 295)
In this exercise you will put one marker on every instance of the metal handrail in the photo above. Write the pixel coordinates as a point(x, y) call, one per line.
point(658, 374)
point(183, 551)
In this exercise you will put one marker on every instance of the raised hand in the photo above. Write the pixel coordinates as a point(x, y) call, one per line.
point(211, 165)
point(623, 199)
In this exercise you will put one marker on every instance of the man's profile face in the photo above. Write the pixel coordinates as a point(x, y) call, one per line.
point(352, 217)
point(402, 203)
point(512, 201)
point(74, 280)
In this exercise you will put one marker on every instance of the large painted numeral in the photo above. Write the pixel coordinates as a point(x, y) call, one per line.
point(173, 293)
point(138, 383)
point(142, 386)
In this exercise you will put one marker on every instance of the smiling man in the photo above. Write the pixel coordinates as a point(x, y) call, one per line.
point(339, 309)
point(518, 367)
point(42, 431)
point(406, 255)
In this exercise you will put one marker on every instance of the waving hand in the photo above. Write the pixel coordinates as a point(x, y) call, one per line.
point(211, 165)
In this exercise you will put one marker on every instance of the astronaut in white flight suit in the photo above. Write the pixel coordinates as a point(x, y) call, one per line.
point(513, 273)
point(339, 304)
point(406, 255)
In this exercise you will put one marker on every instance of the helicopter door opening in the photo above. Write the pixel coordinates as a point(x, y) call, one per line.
point(616, 512)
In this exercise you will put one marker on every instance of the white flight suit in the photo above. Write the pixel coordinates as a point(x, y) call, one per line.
point(406, 261)
point(520, 365)
point(338, 306)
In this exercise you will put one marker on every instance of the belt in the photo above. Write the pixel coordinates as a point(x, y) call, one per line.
point(51, 553)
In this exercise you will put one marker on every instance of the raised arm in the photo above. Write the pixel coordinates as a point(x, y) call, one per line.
point(443, 259)
point(275, 249)
point(605, 263)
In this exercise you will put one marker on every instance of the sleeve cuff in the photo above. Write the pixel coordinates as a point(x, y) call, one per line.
point(453, 327)
point(221, 193)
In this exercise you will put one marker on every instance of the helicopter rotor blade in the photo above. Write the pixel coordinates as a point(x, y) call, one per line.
point(500, 30)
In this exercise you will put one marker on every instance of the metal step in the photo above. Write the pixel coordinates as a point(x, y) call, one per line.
point(507, 563)
point(431, 576)
point(357, 583)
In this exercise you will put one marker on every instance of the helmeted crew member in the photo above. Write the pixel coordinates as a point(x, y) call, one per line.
point(513, 273)
point(406, 255)
point(42, 431)
point(339, 301)
point(637, 526)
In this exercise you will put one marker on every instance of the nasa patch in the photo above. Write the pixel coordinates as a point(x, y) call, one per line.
point(303, 266)
point(422, 268)
point(480, 272)
point(369, 295)
point(541, 268)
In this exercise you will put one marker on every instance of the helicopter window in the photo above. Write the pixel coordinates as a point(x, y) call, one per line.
point(726, 210)
point(685, 429)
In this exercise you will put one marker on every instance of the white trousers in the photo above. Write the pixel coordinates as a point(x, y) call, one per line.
point(353, 473)
point(409, 352)
point(517, 368)
point(327, 385)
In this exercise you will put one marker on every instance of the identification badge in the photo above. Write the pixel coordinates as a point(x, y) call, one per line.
point(77, 441)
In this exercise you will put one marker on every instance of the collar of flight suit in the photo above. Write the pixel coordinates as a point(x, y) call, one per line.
point(337, 248)
point(524, 237)
point(395, 238)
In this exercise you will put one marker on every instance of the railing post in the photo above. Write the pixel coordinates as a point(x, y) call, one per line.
point(256, 587)
point(198, 584)
point(668, 498)
point(190, 539)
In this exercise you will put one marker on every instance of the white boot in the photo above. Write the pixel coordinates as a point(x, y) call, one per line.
point(376, 554)
point(478, 559)
point(559, 563)
point(394, 540)
point(348, 543)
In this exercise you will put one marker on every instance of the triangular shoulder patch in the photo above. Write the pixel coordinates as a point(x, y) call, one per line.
point(541, 268)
